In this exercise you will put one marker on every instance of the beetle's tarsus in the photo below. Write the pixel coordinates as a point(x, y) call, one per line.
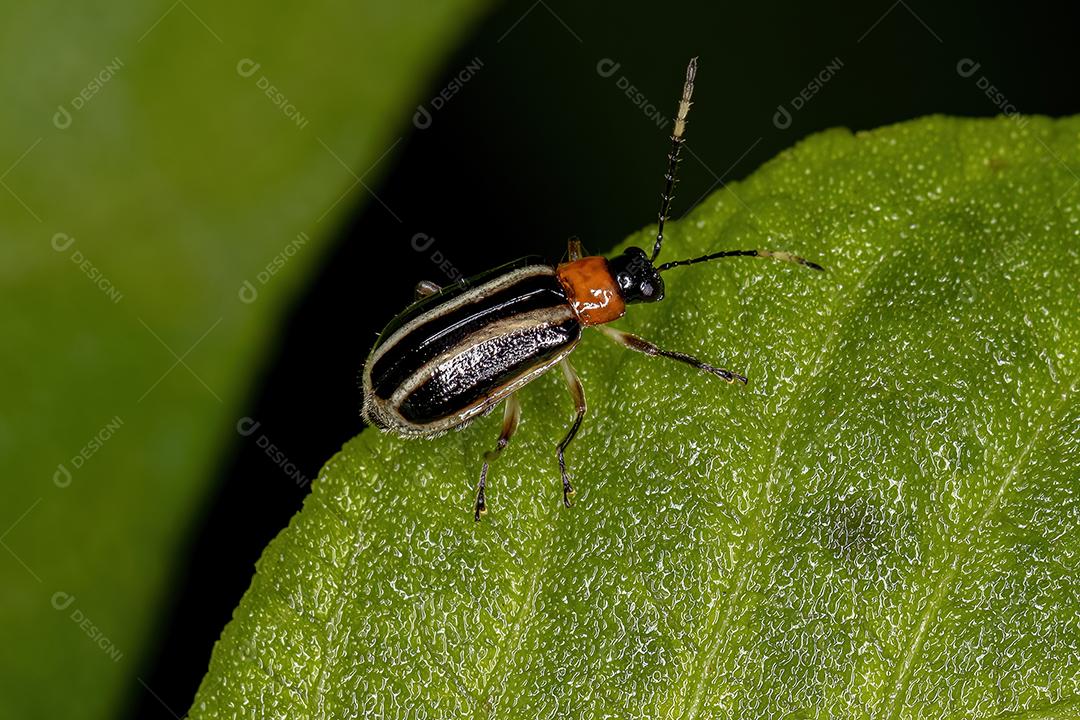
point(578, 393)
point(511, 420)
point(481, 495)
point(568, 490)
point(481, 508)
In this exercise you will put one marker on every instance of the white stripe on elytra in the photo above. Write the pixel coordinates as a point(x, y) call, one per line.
point(388, 409)
point(477, 293)
point(544, 317)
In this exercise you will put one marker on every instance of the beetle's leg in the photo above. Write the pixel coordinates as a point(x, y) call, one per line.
point(425, 288)
point(644, 346)
point(577, 392)
point(573, 249)
point(511, 418)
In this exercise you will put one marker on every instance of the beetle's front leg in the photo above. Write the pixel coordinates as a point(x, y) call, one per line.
point(511, 419)
point(644, 346)
point(577, 392)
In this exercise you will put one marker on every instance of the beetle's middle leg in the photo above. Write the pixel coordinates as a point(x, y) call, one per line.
point(644, 346)
point(511, 419)
point(577, 392)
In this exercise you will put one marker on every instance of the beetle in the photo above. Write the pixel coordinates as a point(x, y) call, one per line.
point(458, 351)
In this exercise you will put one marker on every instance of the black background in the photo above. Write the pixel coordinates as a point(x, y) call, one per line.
point(536, 147)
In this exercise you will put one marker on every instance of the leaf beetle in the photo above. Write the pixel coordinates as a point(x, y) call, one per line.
point(459, 351)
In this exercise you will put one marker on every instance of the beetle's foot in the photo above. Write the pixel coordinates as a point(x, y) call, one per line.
point(568, 491)
point(481, 494)
point(725, 374)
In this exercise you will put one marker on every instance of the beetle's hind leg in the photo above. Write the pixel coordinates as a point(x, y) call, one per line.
point(577, 392)
point(425, 288)
point(644, 346)
point(511, 419)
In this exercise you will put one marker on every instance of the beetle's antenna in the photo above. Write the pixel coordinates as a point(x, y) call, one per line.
point(774, 254)
point(673, 155)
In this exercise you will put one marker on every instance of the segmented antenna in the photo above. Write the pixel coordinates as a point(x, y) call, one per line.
point(673, 155)
point(774, 254)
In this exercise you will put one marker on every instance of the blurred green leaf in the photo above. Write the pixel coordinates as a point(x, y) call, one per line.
point(162, 154)
point(882, 524)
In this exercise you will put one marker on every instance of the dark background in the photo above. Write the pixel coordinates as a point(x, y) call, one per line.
point(536, 147)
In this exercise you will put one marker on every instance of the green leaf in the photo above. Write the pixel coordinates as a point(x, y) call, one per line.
point(882, 524)
point(146, 175)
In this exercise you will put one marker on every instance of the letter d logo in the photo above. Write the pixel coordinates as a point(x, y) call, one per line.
point(782, 118)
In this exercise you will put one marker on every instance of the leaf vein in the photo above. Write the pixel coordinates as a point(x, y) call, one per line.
point(902, 677)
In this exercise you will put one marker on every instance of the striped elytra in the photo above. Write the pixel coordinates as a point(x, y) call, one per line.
point(456, 354)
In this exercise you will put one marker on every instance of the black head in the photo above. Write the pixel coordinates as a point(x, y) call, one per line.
point(637, 278)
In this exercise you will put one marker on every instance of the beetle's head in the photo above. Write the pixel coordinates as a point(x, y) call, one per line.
point(636, 276)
